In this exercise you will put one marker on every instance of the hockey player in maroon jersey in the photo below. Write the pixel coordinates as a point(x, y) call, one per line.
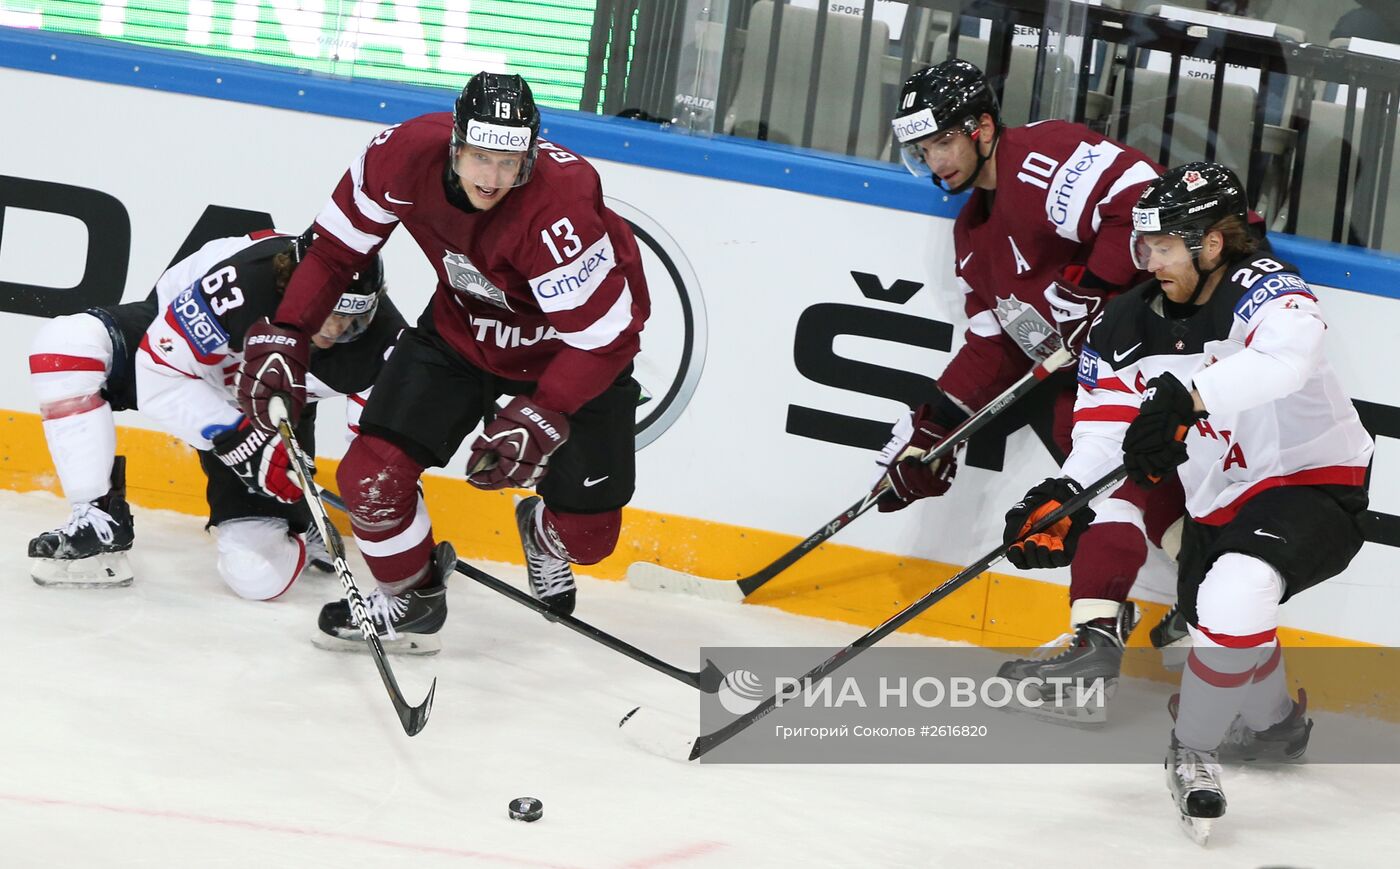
point(1041, 242)
point(1214, 372)
point(540, 296)
point(173, 355)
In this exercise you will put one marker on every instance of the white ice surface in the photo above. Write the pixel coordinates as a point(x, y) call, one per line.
point(172, 725)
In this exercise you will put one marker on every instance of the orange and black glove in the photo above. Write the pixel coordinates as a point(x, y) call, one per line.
point(1156, 440)
point(1054, 546)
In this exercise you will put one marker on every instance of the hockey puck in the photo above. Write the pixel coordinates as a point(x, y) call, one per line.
point(526, 809)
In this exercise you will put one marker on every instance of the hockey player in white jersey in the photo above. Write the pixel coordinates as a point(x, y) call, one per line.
point(177, 351)
point(1214, 370)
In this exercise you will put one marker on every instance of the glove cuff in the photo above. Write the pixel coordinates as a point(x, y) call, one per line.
point(238, 445)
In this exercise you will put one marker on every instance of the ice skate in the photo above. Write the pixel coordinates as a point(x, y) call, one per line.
point(1073, 687)
point(1283, 742)
point(407, 623)
point(551, 579)
point(1193, 777)
point(1171, 636)
point(90, 550)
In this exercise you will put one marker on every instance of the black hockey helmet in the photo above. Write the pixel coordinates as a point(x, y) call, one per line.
point(1186, 202)
point(950, 96)
point(360, 299)
point(497, 112)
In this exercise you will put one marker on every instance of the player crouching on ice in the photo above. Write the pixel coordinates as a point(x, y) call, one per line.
point(540, 296)
point(174, 356)
point(1214, 370)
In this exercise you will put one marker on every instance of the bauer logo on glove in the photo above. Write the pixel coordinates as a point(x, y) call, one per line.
point(514, 448)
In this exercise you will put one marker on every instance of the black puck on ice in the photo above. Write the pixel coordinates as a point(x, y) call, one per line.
point(526, 809)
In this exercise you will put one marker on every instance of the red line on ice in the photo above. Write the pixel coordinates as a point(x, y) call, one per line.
point(677, 855)
point(337, 837)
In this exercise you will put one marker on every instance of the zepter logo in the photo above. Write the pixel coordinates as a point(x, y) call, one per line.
point(673, 342)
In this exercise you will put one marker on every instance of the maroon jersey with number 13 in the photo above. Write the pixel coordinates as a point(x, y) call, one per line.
point(547, 286)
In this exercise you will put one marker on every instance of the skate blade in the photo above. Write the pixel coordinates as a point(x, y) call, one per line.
point(1197, 829)
point(1075, 709)
point(406, 644)
point(1270, 756)
point(109, 570)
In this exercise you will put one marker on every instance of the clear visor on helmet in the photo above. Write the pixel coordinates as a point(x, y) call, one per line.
point(351, 316)
point(1159, 250)
point(908, 131)
point(913, 157)
point(493, 156)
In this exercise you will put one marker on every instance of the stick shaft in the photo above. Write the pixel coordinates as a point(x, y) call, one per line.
point(708, 679)
point(957, 437)
point(413, 718)
point(709, 741)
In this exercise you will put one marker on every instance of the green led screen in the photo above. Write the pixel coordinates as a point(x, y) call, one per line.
point(431, 42)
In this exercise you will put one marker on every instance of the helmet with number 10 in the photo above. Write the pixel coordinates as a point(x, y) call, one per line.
point(944, 100)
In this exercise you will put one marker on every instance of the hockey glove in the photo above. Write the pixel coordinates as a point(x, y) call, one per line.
point(514, 448)
point(275, 359)
point(260, 460)
point(1054, 546)
point(910, 478)
point(1072, 308)
point(1155, 442)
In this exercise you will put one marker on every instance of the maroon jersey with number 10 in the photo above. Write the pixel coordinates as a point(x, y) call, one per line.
point(1063, 202)
point(547, 286)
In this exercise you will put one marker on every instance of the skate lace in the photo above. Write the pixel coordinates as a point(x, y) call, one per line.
point(384, 609)
point(549, 575)
point(89, 515)
point(1047, 651)
point(1240, 735)
point(316, 549)
point(1198, 768)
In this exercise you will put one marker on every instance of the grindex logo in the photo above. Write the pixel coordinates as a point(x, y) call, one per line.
point(497, 137)
point(915, 126)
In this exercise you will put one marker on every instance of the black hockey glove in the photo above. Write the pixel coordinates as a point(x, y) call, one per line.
point(260, 460)
point(275, 359)
point(1053, 547)
point(1156, 440)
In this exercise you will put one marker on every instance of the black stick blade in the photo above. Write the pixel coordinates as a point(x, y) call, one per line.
point(710, 677)
point(707, 742)
point(415, 718)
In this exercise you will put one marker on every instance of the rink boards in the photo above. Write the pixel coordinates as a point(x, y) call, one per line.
point(798, 300)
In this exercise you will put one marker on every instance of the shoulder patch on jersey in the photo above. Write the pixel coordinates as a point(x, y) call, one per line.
point(1074, 181)
point(201, 328)
point(572, 284)
point(1088, 368)
point(1268, 289)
